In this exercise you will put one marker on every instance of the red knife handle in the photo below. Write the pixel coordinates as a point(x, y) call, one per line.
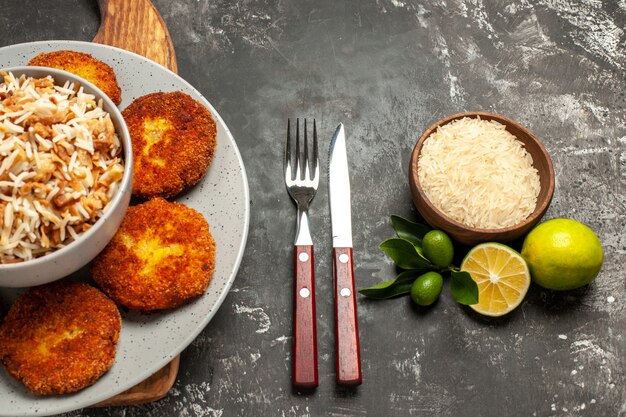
point(304, 322)
point(347, 350)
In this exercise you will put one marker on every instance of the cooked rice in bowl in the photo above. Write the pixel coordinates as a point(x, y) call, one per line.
point(61, 164)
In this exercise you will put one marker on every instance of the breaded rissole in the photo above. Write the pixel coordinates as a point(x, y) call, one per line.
point(84, 65)
point(173, 139)
point(162, 255)
point(60, 338)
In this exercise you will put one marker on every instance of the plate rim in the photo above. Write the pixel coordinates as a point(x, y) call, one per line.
point(240, 250)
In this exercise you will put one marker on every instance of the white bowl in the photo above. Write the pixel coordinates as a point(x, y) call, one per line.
point(71, 258)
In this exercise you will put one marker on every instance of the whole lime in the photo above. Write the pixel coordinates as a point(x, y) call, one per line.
point(426, 288)
point(562, 254)
point(438, 248)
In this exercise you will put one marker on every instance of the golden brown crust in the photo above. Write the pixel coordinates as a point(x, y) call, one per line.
point(162, 255)
point(60, 338)
point(85, 66)
point(173, 139)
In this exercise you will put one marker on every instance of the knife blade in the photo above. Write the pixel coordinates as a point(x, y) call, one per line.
point(347, 347)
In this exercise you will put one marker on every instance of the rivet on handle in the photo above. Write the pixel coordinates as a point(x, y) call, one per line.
point(303, 256)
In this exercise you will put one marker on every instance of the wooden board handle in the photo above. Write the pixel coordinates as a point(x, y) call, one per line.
point(152, 389)
point(137, 26)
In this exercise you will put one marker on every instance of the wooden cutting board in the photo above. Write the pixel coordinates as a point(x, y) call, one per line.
point(136, 26)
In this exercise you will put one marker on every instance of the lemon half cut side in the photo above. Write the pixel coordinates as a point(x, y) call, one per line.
point(502, 277)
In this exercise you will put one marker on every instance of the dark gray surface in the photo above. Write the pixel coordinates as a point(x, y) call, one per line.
point(387, 69)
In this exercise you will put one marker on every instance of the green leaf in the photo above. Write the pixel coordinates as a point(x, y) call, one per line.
point(420, 252)
point(463, 287)
point(404, 254)
point(408, 230)
point(401, 285)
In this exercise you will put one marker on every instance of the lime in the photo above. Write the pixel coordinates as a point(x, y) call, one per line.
point(426, 288)
point(501, 275)
point(562, 254)
point(438, 248)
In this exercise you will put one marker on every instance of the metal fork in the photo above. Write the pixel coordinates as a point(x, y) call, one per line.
point(302, 188)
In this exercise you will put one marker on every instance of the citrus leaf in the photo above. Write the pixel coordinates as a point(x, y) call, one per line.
point(408, 230)
point(401, 285)
point(463, 287)
point(404, 254)
point(420, 252)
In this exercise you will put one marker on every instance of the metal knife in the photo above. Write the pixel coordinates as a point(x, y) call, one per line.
point(347, 350)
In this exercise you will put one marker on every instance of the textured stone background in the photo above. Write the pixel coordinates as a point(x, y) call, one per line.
point(387, 69)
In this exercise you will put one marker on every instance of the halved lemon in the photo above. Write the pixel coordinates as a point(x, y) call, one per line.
point(502, 277)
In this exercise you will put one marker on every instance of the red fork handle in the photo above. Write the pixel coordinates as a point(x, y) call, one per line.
point(304, 322)
point(347, 350)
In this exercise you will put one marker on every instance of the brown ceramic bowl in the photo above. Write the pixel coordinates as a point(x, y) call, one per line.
point(470, 235)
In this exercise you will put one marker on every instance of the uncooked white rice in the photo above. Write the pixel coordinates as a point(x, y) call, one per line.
point(60, 165)
point(478, 174)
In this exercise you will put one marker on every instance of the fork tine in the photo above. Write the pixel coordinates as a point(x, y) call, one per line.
point(316, 168)
point(287, 163)
point(298, 164)
point(307, 168)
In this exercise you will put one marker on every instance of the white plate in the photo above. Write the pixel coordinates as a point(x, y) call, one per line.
point(149, 342)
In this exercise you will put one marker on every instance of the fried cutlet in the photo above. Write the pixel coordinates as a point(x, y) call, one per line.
point(173, 139)
point(60, 338)
point(162, 255)
point(84, 65)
